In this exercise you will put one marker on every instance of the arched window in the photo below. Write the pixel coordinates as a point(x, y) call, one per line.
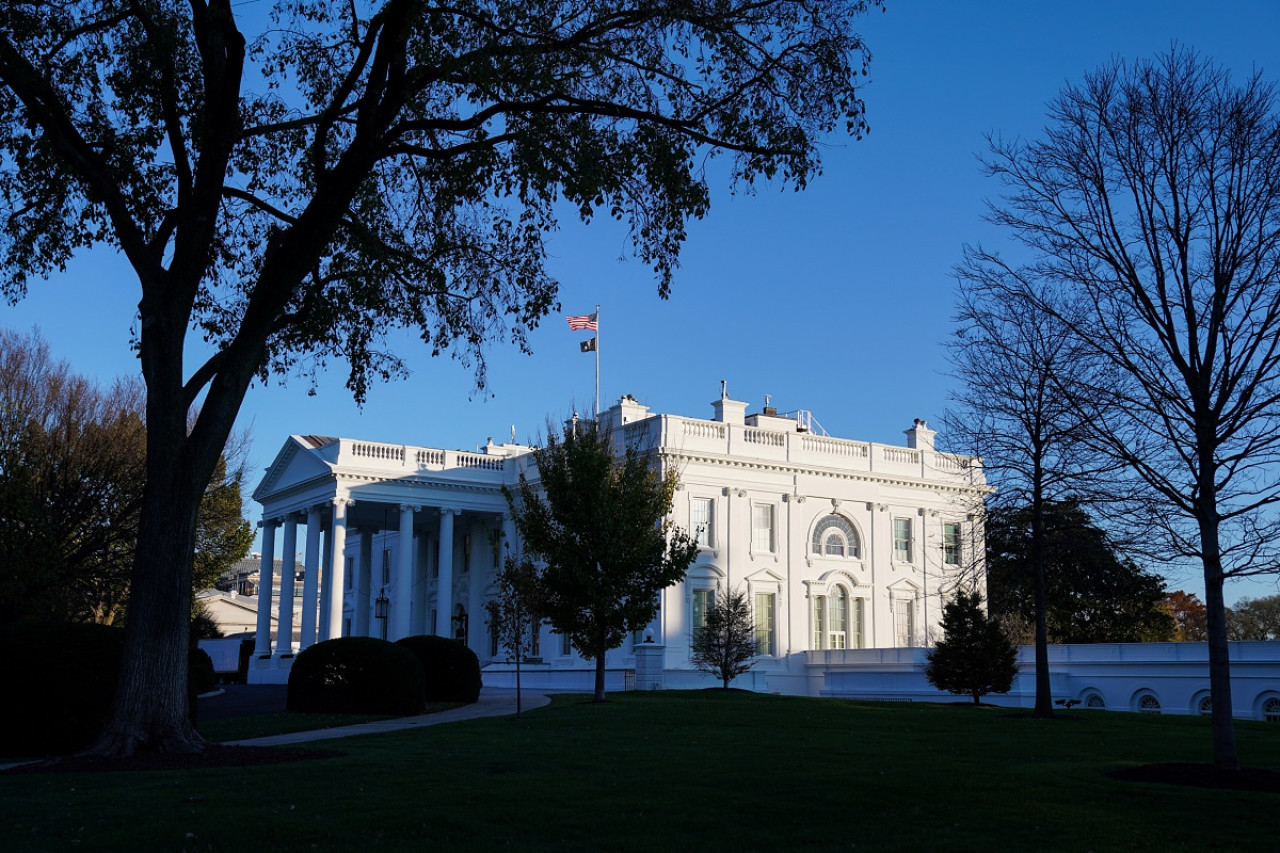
point(1205, 706)
point(835, 536)
point(1271, 710)
point(1148, 703)
point(1094, 700)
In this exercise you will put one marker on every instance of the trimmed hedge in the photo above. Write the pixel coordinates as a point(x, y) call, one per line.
point(60, 681)
point(452, 670)
point(201, 677)
point(356, 675)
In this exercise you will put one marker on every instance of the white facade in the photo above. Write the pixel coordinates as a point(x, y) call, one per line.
point(839, 544)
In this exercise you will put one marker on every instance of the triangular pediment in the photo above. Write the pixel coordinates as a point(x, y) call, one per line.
point(299, 461)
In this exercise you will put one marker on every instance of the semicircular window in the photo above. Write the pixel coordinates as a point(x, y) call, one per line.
point(835, 536)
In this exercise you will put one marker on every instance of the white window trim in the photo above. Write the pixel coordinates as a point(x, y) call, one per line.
point(773, 536)
point(959, 525)
point(911, 540)
point(711, 531)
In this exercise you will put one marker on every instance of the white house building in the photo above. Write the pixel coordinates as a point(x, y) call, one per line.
point(839, 544)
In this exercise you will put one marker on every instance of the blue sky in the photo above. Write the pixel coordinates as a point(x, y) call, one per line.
point(834, 300)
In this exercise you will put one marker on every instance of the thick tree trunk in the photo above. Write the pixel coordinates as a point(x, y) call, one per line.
point(1044, 691)
point(1223, 725)
point(599, 694)
point(151, 710)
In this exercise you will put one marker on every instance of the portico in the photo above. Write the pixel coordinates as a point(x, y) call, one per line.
point(420, 528)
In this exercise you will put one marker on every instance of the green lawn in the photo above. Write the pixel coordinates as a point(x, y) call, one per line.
point(683, 770)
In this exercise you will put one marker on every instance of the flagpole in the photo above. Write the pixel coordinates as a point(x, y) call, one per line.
point(597, 362)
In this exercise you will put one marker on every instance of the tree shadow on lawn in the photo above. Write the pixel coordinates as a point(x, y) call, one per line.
point(213, 756)
point(1194, 775)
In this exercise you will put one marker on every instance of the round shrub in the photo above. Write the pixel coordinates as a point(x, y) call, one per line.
point(356, 675)
point(61, 679)
point(452, 670)
point(201, 677)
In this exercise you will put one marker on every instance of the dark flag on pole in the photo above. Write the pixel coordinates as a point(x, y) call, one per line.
point(588, 346)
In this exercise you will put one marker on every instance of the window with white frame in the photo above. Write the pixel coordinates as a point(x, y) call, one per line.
point(348, 580)
point(701, 604)
point(838, 618)
point(535, 641)
point(819, 621)
point(904, 622)
point(835, 536)
point(762, 529)
point(701, 520)
point(493, 639)
point(856, 617)
point(951, 543)
point(902, 544)
point(566, 646)
point(766, 633)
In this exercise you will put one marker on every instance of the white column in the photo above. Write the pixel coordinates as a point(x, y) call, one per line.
point(444, 588)
point(335, 576)
point(288, 568)
point(262, 647)
point(402, 606)
point(364, 577)
point(421, 584)
point(508, 545)
point(477, 580)
point(310, 579)
point(326, 583)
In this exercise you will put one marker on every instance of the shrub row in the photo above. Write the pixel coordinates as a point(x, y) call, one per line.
point(370, 676)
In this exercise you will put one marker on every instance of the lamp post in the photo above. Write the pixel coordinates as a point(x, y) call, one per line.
point(381, 606)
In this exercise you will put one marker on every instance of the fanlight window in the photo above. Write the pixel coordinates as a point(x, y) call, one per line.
point(1271, 710)
point(1148, 704)
point(1094, 700)
point(836, 537)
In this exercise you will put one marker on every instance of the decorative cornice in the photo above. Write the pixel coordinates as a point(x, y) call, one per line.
point(861, 476)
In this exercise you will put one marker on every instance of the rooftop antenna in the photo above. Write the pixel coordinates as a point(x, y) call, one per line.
point(724, 390)
point(513, 433)
point(767, 397)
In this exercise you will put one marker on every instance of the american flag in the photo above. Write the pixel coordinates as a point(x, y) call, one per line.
point(583, 321)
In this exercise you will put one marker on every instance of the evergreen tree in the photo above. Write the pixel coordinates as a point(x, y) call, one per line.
point(725, 645)
point(974, 657)
point(1092, 593)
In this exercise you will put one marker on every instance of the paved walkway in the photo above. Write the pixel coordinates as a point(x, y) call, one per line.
point(494, 702)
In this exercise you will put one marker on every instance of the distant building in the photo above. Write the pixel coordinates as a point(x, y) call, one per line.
point(839, 544)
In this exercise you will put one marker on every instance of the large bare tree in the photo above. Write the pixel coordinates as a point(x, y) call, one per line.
point(398, 165)
point(1153, 198)
point(1014, 364)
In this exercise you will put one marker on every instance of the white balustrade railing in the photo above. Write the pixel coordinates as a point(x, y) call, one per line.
point(369, 450)
point(900, 455)
point(834, 447)
point(430, 457)
point(704, 429)
point(764, 437)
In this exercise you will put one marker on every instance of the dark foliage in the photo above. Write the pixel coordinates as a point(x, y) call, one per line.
point(974, 658)
point(201, 677)
point(356, 675)
point(1093, 595)
point(59, 686)
point(451, 670)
